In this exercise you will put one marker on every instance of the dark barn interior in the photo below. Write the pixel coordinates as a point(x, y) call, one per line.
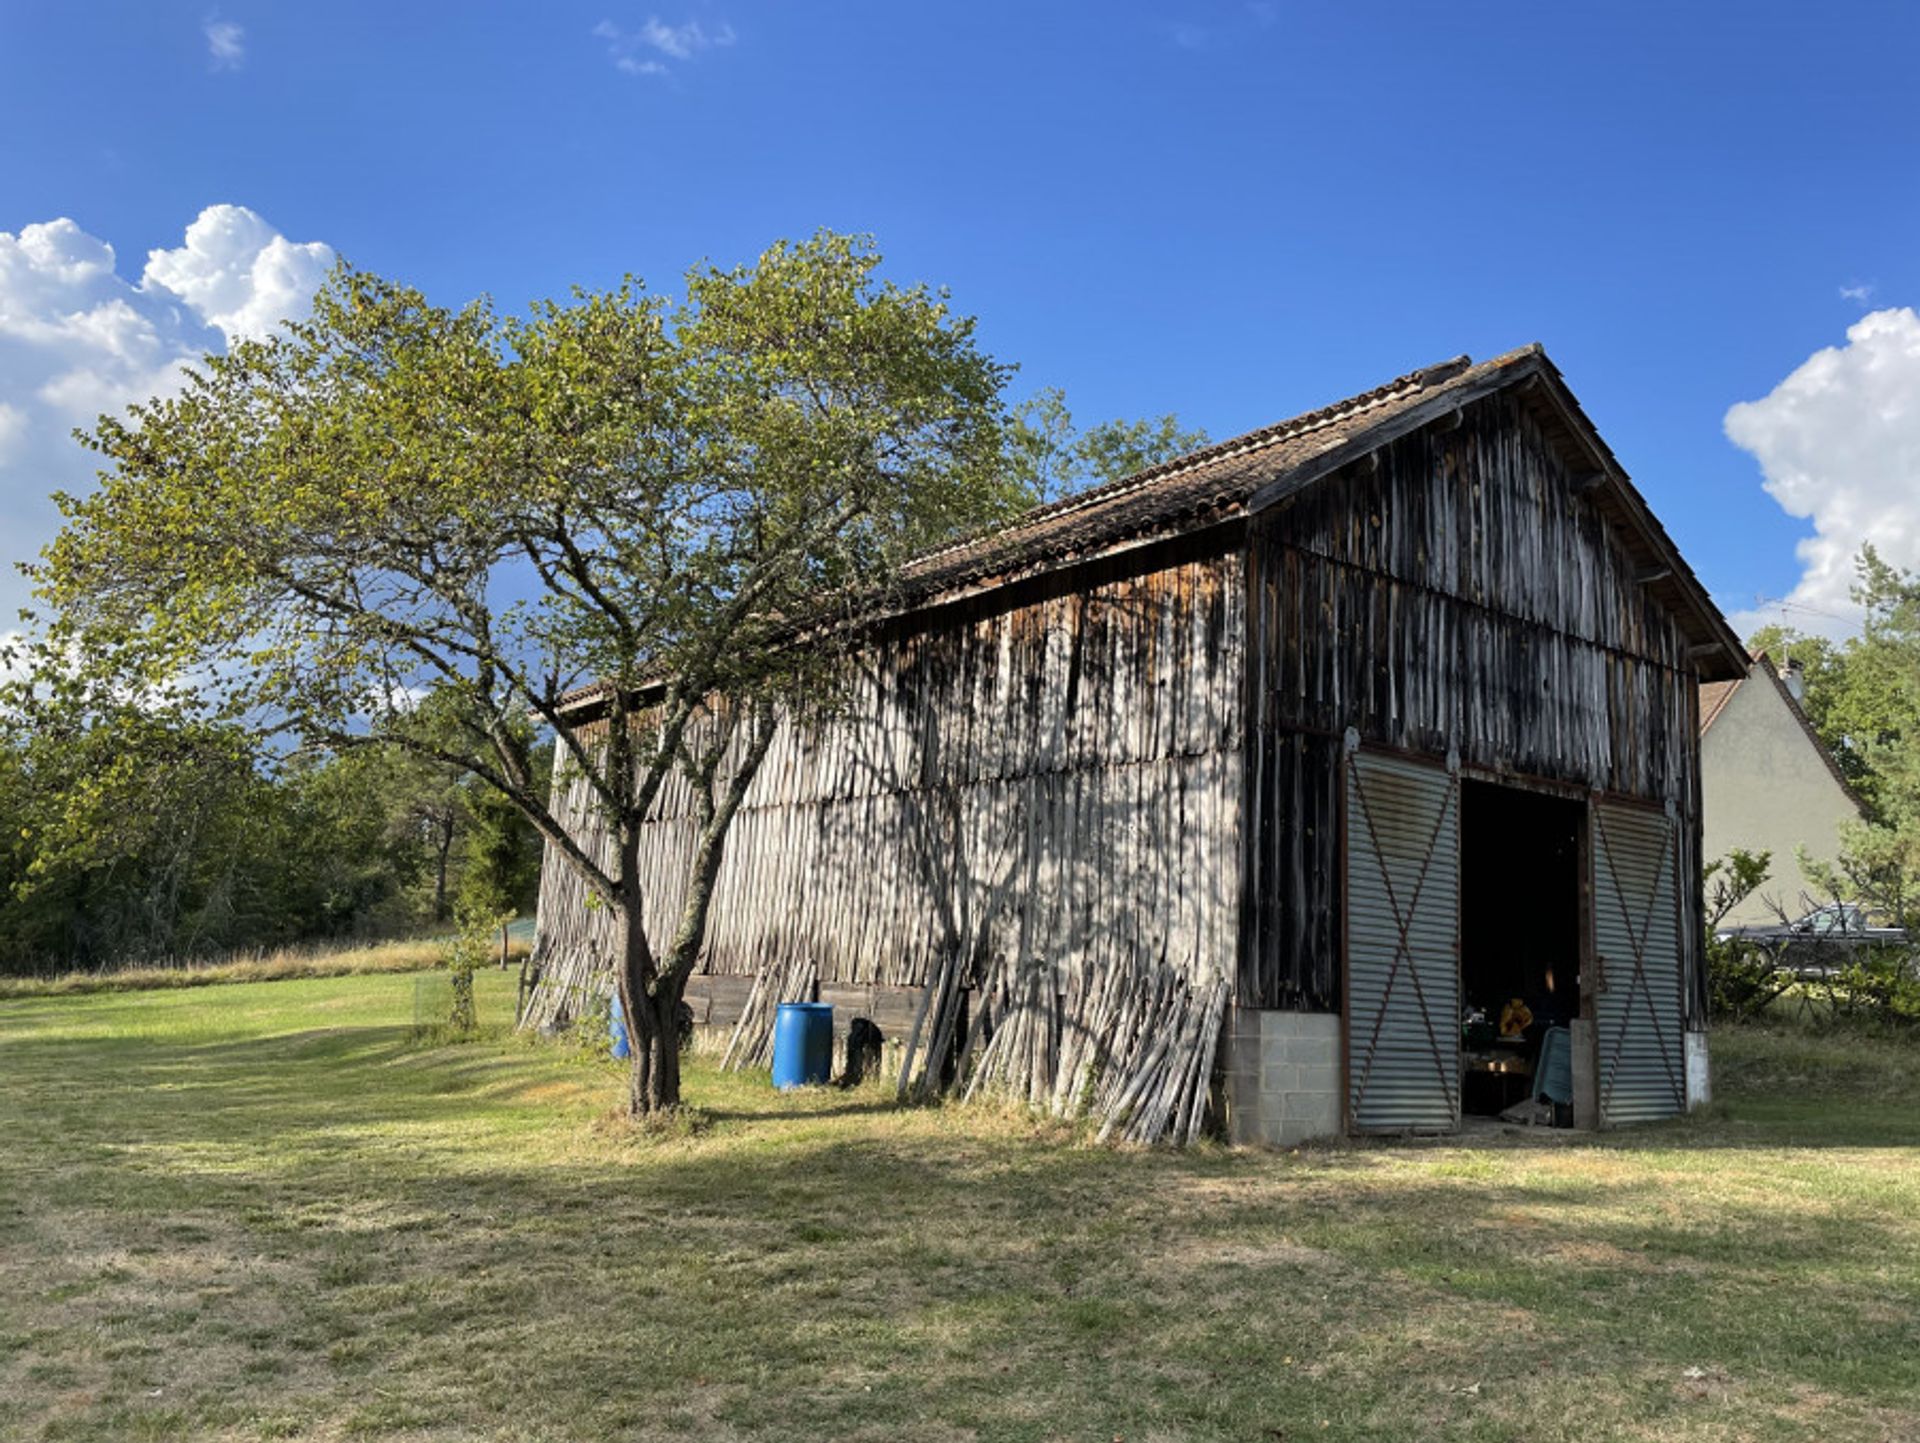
point(1520, 928)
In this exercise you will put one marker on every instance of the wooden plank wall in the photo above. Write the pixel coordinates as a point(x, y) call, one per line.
point(1460, 594)
point(1056, 779)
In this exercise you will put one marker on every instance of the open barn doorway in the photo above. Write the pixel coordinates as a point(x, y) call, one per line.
point(1522, 857)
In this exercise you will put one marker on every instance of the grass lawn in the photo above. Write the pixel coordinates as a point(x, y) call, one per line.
point(260, 1211)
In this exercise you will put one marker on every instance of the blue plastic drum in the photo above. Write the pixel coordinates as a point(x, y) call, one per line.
point(802, 1044)
point(617, 1029)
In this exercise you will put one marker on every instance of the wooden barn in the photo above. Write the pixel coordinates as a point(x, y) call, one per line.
point(1318, 742)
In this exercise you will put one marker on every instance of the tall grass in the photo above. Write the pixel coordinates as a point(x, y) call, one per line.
point(313, 960)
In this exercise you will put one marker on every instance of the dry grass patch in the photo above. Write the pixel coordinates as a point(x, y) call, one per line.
point(279, 965)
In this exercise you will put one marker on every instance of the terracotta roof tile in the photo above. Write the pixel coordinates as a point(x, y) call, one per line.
point(1714, 696)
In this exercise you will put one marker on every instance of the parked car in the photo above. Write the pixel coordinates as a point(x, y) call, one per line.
point(1846, 922)
point(1820, 943)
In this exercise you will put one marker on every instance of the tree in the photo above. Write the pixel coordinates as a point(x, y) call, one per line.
point(687, 504)
point(1863, 697)
point(146, 832)
point(1053, 458)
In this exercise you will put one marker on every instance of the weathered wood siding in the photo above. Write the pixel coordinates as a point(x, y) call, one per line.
point(1460, 595)
point(1055, 777)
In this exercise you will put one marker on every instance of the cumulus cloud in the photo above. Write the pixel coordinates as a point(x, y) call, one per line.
point(237, 273)
point(647, 50)
point(226, 44)
point(1838, 442)
point(77, 338)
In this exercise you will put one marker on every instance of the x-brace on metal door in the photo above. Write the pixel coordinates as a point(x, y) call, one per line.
point(1403, 943)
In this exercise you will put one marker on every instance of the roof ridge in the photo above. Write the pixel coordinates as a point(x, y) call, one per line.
point(1248, 442)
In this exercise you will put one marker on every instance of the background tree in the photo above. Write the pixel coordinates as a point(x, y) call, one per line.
point(1052, 457)
point(500, 866)
point(148, 833)
point(689, 503)
point(1863, 697)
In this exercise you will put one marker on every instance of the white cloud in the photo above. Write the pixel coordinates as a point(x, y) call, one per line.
point(226, 44)
point(646, 51)
point(1859, 294)
point(1838, 442)
point(238, 273)
point(77, 338)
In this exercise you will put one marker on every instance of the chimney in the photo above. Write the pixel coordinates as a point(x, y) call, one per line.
point(1794, 675)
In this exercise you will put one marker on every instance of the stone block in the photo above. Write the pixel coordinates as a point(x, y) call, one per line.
point(1275, 1052)
point(1313, 1051)
point(1281, 1077)
point(1311, 1114)
point(1699, 1073)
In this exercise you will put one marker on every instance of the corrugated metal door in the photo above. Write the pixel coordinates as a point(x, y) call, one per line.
point(1403, 944)
point(1640, 1067)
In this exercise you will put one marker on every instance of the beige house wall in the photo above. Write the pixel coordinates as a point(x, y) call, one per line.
point(1766, 787)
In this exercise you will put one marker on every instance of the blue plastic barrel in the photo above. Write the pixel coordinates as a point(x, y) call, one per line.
point(802, 1044)
point(617, 1029)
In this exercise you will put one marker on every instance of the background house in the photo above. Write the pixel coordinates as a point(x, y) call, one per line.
point(1769, 784)
point(1367, 717)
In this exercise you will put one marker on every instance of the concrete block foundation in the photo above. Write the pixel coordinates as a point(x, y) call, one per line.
point(1283, 1083)
point(1699, 1075)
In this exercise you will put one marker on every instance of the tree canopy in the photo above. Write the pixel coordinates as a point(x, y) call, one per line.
point(657, 497)
point(1053, 457)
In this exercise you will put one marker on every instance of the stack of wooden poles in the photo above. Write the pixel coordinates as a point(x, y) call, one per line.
point(751, 1044)
point(1131, 1048)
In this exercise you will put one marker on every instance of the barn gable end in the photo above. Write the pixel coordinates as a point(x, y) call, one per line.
point(1460, 590)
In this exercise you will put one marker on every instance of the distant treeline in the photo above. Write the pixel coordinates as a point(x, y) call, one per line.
point(144, 840)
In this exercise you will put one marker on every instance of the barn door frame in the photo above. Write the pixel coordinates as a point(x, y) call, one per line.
point(1442, 1032)
point(1627, 978)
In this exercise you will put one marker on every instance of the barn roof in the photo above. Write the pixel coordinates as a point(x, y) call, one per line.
point(1240, 477)
point(1245, 475)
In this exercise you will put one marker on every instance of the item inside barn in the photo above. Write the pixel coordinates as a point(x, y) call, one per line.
point(1520, 931)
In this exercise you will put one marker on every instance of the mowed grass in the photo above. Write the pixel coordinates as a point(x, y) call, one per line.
point(261, 1211)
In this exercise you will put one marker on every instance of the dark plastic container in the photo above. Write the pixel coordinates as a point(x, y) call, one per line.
point(802, 1044)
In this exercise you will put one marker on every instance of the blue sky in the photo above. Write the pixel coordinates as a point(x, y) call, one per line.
point(1233, 211)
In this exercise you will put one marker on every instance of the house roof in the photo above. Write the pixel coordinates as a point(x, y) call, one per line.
point(1715, 695)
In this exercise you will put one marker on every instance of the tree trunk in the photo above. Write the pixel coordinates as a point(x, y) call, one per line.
point(654, 1087)
point(444, 849)
point(649, 1002)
